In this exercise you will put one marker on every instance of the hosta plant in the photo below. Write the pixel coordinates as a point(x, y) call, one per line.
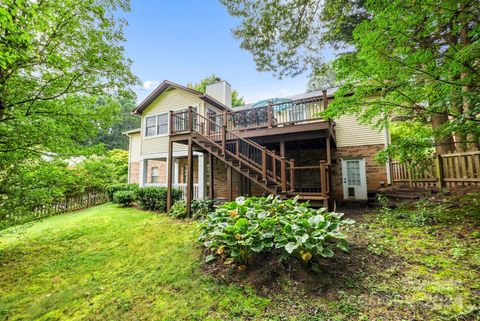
point(239, 230)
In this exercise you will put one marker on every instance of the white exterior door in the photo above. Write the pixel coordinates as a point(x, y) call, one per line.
point(354, 179)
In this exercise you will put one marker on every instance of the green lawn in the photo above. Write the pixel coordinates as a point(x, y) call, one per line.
point(110, 263)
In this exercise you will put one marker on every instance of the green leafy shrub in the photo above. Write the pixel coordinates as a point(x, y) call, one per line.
point(241, 229)
point(201, 207)
point(124, 198)
point(179, 209)
point(155, 198)
point(111, 189)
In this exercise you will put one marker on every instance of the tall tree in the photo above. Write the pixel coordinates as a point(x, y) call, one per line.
point(123, 120)
point(56, 59)
point(202, 87)
point(422, 60)
point(289, 37)
point(322, 77)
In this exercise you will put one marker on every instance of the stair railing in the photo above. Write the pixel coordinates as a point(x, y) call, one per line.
point(270, 166)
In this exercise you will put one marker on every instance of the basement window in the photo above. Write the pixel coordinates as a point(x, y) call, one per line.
point(154, 174)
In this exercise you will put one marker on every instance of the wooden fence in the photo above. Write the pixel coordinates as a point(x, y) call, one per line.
point(446, 170)
point(71, 204)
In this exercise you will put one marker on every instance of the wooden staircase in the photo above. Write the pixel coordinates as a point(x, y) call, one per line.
point(273, 173)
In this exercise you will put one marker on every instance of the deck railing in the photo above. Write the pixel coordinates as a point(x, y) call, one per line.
point(310, 180)
point(273, 115)
point(276, 114)
point(265, 163)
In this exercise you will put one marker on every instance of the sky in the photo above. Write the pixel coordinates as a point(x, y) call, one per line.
point(184, 41)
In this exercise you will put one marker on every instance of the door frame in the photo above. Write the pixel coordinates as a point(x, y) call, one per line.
point(363, 196)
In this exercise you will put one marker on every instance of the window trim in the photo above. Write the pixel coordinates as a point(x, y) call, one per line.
point(156, 126)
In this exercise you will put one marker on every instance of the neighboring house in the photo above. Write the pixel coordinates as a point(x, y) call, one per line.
point(279, 146)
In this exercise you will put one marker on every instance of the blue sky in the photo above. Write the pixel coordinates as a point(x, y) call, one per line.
point(183, 41)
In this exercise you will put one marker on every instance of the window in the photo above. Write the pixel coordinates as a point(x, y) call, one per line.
point(150, 126)
point(156, 125)
point(162, 124)
point(154, 174)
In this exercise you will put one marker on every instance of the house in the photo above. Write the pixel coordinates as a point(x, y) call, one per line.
point(195, 141)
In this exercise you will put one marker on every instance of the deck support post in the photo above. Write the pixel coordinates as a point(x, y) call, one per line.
point(329, 164)
point(210, 177)
point(323, 182)
point(189, 178)
point(169, 174)
point(229, 184)
point(282, 148)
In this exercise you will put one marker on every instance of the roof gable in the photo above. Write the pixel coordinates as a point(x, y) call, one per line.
point(166, 84)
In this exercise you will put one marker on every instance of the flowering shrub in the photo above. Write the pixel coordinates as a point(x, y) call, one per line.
point(239, 230)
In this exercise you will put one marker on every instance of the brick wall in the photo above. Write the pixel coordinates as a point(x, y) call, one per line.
point(134, 172)
point(161, 165)
point(182, 169)
point(220, 180)
point(375, 173)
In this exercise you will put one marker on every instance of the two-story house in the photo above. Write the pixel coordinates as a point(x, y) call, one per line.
point(199, 143)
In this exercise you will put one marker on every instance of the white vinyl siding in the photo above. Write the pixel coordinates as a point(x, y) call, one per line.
point(349, 132)
point(172, 99)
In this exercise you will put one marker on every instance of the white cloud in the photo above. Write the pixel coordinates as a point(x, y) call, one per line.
point(150, 84)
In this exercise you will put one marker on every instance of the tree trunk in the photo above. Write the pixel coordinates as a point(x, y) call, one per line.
point(442, 144)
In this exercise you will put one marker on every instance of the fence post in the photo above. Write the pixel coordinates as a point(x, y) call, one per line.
point(439, 165)
point(323, 179)
point(409, 173)
point(292, 175)
point(283, 174)
point(264, 163)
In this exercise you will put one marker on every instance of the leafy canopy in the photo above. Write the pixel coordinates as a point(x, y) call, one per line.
point(202, 87)
point(62, 73)
point(289, 37)
point(420, 59)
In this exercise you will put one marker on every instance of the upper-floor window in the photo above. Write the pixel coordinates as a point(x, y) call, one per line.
point(156, 125)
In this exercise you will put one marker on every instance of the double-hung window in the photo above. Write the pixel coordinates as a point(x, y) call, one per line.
point(154, 174)
point(156, 125)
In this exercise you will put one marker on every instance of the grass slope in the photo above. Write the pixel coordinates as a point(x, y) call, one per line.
point(109, 263)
